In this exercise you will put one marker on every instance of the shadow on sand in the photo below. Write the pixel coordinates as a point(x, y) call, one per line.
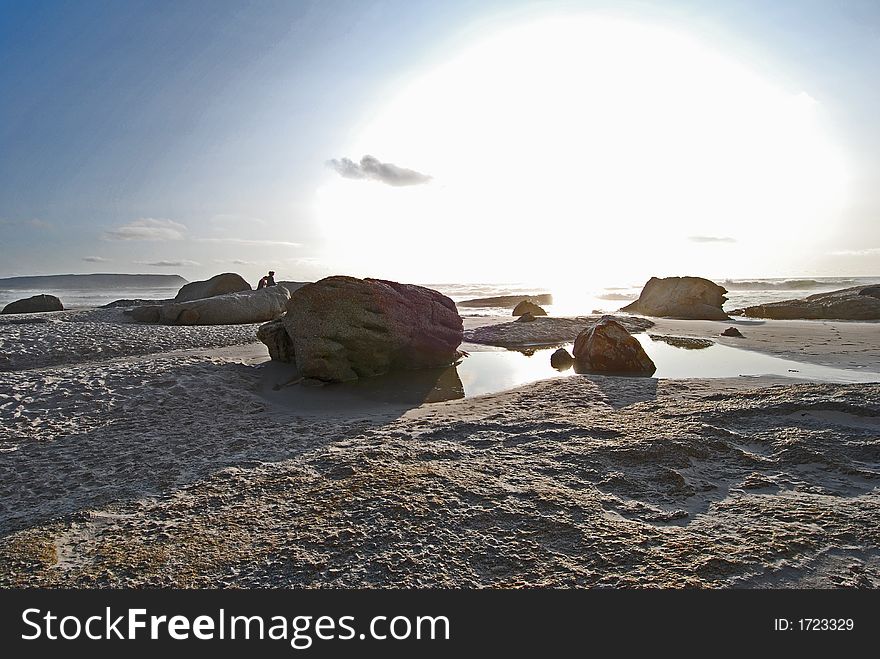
point(217, 416)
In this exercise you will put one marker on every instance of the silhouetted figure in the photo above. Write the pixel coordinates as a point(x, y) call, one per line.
point(268, 280)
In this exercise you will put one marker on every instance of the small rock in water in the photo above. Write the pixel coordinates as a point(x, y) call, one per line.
point(527, 317)
point(732, 331)
point(561, 359)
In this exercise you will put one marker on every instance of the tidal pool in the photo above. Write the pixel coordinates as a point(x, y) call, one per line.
point(490, 370)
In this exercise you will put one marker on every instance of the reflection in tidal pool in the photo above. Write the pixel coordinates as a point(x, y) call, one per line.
point(490, 370)
point(487, 371)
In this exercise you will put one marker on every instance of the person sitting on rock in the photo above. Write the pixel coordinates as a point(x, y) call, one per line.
point(268, 280)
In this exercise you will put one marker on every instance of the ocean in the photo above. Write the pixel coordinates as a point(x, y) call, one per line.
point(80, 298)
point(604, 299)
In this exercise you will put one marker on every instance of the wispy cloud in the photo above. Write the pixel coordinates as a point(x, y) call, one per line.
point(870, 251)
point(95, 259)
point(371, 168)
point(148, 229)
point(248, 241)
point(711, 239)
point(182, 263)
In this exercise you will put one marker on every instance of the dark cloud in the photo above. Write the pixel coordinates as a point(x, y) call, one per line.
point(711, 239)
point(371, 168)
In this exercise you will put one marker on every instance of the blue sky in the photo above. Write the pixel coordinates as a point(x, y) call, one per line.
point(191, 137)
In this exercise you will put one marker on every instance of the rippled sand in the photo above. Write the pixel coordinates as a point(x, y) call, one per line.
point(170, 460)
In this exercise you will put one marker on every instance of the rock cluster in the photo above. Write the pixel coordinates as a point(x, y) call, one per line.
point(857, 303)
point(230, 309)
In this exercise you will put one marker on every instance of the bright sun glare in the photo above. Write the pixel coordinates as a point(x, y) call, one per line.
point(579, 149)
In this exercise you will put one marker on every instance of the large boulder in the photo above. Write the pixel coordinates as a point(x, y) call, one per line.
point(527, 306)
point(607, 347)
point(231, 309)
point(691, 298)
point(343, 328)
point(847, 304)
point(228, 282)
point(35, 304)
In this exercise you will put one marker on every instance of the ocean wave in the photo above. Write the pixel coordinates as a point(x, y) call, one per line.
point(786, 285)
point(618, 296)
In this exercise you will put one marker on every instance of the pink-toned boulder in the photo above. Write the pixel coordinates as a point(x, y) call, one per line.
point(607, 347)
point(343, 328)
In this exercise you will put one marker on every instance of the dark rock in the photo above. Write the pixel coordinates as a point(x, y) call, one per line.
point(343, 328)
point(147, 314)
point(527, 317)
point(692, 298)
point(873, 291)
point(561, 360)
point(608, 348)
point(276, 338)
point(35, 304)
point(732, 331)
point(845, 304)
point(527, 306)
point(228, 282)
point(509, 301)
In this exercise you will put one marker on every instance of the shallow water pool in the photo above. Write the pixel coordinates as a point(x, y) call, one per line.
point(491, 370)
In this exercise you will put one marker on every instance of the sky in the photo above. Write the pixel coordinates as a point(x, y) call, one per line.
point(429, 142)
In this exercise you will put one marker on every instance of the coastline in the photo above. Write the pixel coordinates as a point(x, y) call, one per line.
point(177, 468)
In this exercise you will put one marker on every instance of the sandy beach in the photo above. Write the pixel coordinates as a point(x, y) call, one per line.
point(139, 455)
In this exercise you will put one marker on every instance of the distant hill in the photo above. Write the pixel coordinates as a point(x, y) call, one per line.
point(98, 281)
